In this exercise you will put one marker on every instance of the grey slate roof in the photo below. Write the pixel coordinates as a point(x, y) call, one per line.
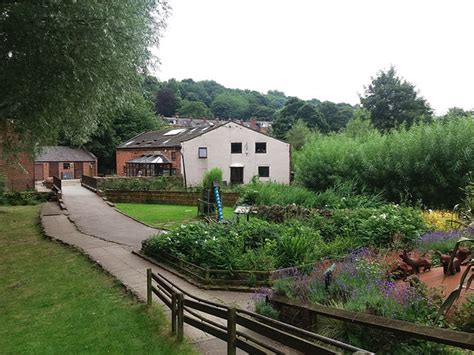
point(169, 137)
point(64, 154)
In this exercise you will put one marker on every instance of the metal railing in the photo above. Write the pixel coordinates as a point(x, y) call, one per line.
point(248, 331)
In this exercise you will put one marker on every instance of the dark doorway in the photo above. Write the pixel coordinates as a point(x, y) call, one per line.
point(54, 169)
point(39, 175)
point(78, 170)
point(236, 175)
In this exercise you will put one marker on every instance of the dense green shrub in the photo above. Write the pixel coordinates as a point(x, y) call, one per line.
point(379, 226)
point(253, 245)
point(215, 174)
point(428, 163)
point(142, 183)
point(262, 245)
point(24, 198)
point(338, 196)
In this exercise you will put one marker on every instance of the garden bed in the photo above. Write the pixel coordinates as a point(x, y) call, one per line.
point(217, 278)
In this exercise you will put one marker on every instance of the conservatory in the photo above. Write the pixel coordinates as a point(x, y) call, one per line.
point(149, 165)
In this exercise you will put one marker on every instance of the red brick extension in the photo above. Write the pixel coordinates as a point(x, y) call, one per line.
point(123, 155)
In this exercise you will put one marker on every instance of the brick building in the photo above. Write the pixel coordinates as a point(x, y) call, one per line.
point(17, 171)
point(151, 154)
point(65, 163)
point(239, 151)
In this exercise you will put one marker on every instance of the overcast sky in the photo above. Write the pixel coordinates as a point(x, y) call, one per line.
point(323, 49)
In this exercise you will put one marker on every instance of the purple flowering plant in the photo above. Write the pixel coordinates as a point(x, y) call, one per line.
point(360, 283)
point(442, 241)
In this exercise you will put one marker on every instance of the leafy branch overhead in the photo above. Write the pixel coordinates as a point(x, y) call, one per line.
point(69, 65)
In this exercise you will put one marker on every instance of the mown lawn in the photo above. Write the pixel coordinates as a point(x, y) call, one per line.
point(164, 216)
point(54, 301)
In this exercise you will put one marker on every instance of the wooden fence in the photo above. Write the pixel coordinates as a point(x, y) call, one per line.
point(218, 278)
point(309, 312)
point(89, 181)
point(57, 183)
point(256, 334)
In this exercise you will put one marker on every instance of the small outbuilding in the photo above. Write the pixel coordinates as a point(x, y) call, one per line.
point(65, 163)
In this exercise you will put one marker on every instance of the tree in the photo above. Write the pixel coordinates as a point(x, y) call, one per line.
point(336, 115)
point(151, 85)
point(295, 109)
point(166, 102)
point(229, 106)
point(392, 101)
point(68, 65)
point(129, 121)
point(455, 112)
point(360, 126)
point(298, 134)
point(194, 109)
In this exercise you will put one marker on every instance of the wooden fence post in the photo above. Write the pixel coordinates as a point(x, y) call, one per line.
point(173, 312)
point(180, 316)
point(231, 331)
point(148, 287)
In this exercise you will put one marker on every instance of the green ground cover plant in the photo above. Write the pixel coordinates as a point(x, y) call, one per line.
point(341, 195)
point(429, 162)
point(24, 198)
point(173, 183)
point(164, 216)
point(54, 301)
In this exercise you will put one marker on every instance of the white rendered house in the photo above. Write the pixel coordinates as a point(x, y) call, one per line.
point(240, 152)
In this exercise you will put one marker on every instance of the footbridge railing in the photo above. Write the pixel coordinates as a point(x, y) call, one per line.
point(248, 331)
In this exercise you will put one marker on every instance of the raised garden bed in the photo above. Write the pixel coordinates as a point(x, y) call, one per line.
point(219, 279)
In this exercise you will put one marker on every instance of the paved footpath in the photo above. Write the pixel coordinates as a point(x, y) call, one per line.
point(93, 216)
point(109, 244)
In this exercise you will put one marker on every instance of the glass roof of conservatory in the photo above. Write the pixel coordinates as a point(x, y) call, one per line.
point(149, 159)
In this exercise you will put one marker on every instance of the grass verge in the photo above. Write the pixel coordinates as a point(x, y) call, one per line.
point(164, 216)
point(54, 301)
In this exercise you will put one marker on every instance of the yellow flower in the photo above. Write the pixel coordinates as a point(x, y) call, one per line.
point(441, 220)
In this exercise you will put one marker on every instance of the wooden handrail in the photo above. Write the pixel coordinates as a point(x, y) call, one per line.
point(439, 335)
point(180, 304)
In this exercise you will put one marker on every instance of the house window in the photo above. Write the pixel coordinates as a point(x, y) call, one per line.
point(261, 147)
point(236, 148)
point(263, 171)
point(202, 152)
point(66, 165)
point(173, 156)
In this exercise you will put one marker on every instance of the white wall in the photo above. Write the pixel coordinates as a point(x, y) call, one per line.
point(218, 142)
